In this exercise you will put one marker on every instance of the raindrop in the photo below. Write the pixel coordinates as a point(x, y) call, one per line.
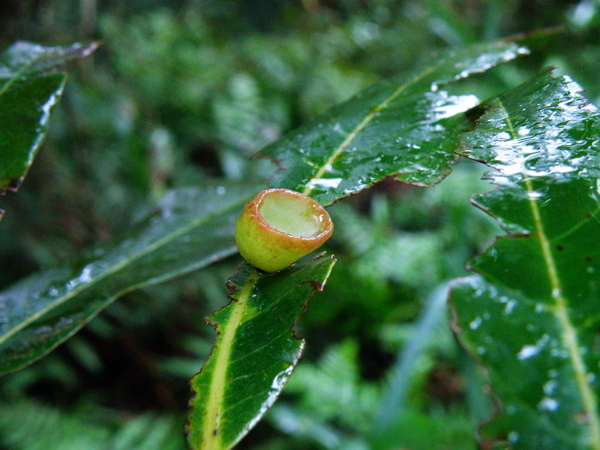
point(324, 183)
point(534, 195)
point(591, 378)
point(474, 324)
point(550, 386)
point(548, 404)
point(531, 350)
point(527, 352)
point(508, 309)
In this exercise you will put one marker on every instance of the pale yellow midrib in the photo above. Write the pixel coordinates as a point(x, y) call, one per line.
point(363, 123)
point(116, 267)
point(211, 435)
point(588, 398)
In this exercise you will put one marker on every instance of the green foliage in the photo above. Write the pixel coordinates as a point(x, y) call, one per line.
point(28, 94)
point(255, 352)
point(175, 102)
point(47, 308)
point(530, 317)
point(28, 425)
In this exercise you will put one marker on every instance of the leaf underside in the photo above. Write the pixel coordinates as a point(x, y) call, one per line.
point(530, 315)
point(41, 311)
point(255, 351)
point(406, 127)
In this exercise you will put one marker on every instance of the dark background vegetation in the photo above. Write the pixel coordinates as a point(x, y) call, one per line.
point(182, 93)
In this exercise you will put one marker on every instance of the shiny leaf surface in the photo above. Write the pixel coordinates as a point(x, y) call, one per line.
point(25, 109)
point(28, 92)
point(531, 314)
point(41, 311)
point(406, 126)
point(255, 351)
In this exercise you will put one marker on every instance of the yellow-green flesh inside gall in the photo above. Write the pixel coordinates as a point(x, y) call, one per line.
point(291, 215)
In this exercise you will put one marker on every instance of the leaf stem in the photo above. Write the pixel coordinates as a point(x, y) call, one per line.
point(570, 339)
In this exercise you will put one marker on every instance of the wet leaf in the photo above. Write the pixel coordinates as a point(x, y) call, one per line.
point(25, 109)
point(24, 59)
point(190, 229)
point(531, 314)
point(28, 93)
point(406, 126)
point(255, 351)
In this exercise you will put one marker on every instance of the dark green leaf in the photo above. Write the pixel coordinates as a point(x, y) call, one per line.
point(190, 229)
point(25, 109)
point(255, 351)
point(406, 126)
point(27, 96)
point(531, 316)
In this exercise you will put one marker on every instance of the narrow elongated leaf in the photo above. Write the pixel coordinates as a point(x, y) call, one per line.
point(255, 351)
point(27, 95)
point(406, 126)
point(190, 229)
point(531, 316)
point(24, 115)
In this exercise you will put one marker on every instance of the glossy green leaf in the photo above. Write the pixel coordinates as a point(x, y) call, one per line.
point(28, 92)
point(25, 109)
point(531, 315)
point(190, 229)
point(255, 351)
point(407, 127)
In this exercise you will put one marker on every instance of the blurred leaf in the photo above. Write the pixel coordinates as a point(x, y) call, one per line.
point(394, 397)
point(405, 126)
point(190, 229)
point(27, 96)
point(24, 59)
point(255, 351)
point(333, 399)
point(531, 315)
point(32, 425)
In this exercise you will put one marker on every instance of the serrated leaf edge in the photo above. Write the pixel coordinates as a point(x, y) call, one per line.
point(328, 164)
point(239, 296)
point(560, 310)
point(211, 437)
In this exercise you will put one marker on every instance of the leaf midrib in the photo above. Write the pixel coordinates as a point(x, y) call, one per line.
point(362, 125)
point(569, 334)
point(115, 268)
point(211, 432)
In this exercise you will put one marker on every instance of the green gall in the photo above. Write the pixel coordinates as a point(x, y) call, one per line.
point(279, 226)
